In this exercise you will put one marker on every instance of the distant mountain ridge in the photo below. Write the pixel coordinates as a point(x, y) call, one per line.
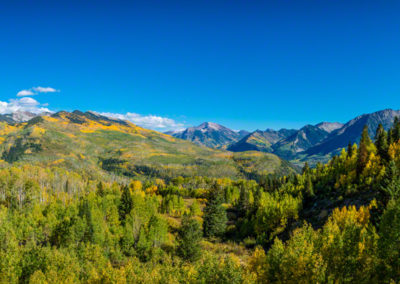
point(351, 131)
point(260, 140)
point(88, 141)
point(209, 134)
point(19, 116)
point(309, 143)
point(300, 141)
point(319, 142)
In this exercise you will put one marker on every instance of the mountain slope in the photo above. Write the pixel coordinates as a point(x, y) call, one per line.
point(302, 140)
point(329, 126)
point(209, 134)
point(260, 140)
point(94, 143)
point(351, 131)
point(18, 116)
point(318, 142)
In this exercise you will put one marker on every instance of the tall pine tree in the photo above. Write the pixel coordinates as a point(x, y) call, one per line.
point(306, 168)
point(363, 154)
point(125, 205)
point(214, 217)
point(349, 150)
point(396, 130)
point(381, 142)
point(390, 184)
point(189, 238)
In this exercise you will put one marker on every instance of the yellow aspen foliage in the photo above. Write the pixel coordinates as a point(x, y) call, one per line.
point(349, 215)
point(113, 275)
point(152, 189)
point(257, 262)
point(135, 185)
point(160, 183)
point(38, 278)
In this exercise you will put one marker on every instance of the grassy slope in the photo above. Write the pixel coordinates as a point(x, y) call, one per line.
point(86, 142)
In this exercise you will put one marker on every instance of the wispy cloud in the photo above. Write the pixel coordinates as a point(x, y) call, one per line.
point(36, 90)
point(147, 121)
point(24, 93)
point(26, 103)
point(45, 89)
point(23, 104)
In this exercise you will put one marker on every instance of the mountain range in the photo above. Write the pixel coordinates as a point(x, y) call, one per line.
point(19, 116)
point(209, 134)
point(310, 143)
point(96, 144)
point(260, 140)
point(130, 146)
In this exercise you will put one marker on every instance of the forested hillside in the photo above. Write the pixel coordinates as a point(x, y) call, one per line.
point(99, 145)
point(314, 143)
point(335, 223)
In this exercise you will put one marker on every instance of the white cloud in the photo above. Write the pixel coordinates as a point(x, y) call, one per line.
point(26, 103)
point(23, 104)
point(147, 121)
point(36, 90)
point(23, 93)
point(44, 89)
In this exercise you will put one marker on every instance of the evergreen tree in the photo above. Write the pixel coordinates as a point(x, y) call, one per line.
point(349, 150)
point(100, 189)
point(390, 137)
point(396, 130)
point(363, 150)
point(390, 184)
point(306, 168)
point(381, 142)
point(215, 218)
point(245, 198)
point(189, 238)
point(389, 243)
point(309, 188)
point(125, 205)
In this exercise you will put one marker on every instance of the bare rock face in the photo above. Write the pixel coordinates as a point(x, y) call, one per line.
point(329, 126)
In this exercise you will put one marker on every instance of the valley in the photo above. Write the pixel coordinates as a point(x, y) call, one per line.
point(89, 198)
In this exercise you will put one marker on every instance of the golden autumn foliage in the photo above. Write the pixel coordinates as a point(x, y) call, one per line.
point(114, 220)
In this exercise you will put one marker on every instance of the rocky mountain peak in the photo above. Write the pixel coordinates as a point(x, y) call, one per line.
point(329, 126)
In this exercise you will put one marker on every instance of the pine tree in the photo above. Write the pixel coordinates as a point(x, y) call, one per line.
point(349, 150)
point(390, 184)
point(189, 238)
point(363, 150)
point(245, 199)
point(306, 168)
point(100, 189)
point(396, 130)
point(125, 205)
point(214, 218)
point(390, 137)
point(389, 243)
point(381, 142)
point(309, 188)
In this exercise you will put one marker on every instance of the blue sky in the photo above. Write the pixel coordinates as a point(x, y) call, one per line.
point(244, 64)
